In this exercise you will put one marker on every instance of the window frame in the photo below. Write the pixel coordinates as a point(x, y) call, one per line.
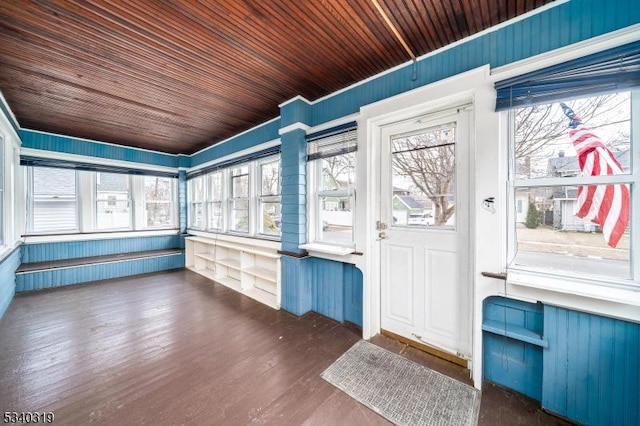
point(30, 208)
point(130, 204)
point(174, 197)
point(557, 279)
point(86, 205)
point(254, 198)
point(316, 193)
point(193, 202)
point(211, 200)
point(262, 199)
point(232, 199)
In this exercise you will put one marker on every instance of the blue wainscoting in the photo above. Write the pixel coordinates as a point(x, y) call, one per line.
point(330, 288)
point(84, 274)
point(56, 277)
point(512, 342)
point(296, 285)
point(8, 267)
point(591, 368)
point(43, 252)
point(582, 366)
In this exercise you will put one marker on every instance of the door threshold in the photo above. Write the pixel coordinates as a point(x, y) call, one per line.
point(426, 348)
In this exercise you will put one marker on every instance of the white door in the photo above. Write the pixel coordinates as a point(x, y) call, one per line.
point(424, 215)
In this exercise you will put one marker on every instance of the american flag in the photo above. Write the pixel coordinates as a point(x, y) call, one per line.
point(604, 205)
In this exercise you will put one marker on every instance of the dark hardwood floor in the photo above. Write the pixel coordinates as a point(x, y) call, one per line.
point(174, 348)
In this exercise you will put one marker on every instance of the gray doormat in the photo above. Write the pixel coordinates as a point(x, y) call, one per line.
point(402, 391)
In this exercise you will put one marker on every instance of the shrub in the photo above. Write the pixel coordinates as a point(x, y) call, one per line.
point(533, 217)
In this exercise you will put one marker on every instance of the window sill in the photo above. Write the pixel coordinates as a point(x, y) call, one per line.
point(627, 293)
point(328, 249)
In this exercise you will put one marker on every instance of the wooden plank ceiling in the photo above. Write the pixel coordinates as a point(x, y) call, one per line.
point(178, 76)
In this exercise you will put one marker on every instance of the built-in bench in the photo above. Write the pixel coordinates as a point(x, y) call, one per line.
point(83, 261)
point(48, 265)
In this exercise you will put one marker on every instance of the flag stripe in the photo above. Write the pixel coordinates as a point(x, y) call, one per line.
point(604, 205)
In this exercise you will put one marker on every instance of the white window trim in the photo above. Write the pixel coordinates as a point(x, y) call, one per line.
point(260, 199)
point(315, 244)
point(30, 204)
point(191, 202)
point(604, 288)
point(86, 206)
point(211, 200)
point(251, 219)
point(140, 204)
point(130, 204)
point(254, 198)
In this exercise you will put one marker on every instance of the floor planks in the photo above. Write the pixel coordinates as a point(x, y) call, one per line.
point(174, 348)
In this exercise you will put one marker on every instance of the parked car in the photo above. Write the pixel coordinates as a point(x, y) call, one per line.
point(421, 219)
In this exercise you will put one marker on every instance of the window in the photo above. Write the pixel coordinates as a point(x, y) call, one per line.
point(241, 195)
point(113, 201)
point(67, 200)
point(53, 201)
point(424, 172)
point(332, 170)
point(269, 201)
point(215, 202)
point(239, 202)
point(159, 206)
point(196, 202)
point(563, 181)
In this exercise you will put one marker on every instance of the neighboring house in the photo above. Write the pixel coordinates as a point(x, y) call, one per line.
point(522, 206)
point(564, 199)
point(337, 209)
point(405, 206)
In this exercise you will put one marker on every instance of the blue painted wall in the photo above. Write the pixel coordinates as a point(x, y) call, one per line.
point(42, 252)
point(586, 367)
point(70, 145)
point(294, 190)
point(591, 368)
point(507, 359)
point(85, 274)
point(259, 134)
point(554, 28)
point(330, 288)
point(182, 201)
point(296, 286)
point(8, 266)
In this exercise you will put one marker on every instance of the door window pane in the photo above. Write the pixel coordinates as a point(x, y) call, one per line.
point(424, 171)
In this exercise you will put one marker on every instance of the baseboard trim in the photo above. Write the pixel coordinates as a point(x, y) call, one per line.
point(426, 348)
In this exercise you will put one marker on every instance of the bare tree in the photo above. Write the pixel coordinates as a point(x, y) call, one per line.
point(340, 167)
point(538, 126)
point(428, 160)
